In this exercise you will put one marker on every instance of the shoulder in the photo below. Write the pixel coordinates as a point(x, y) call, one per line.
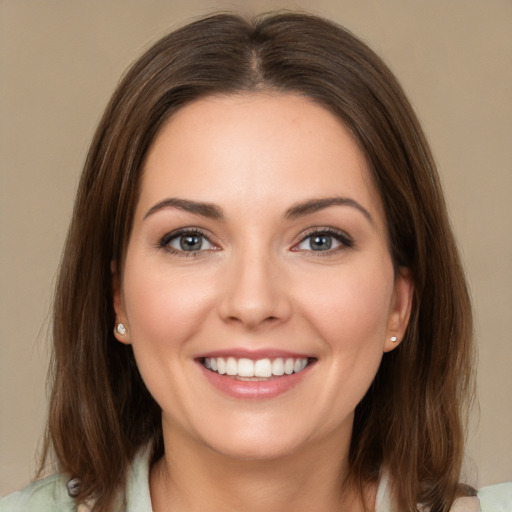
point(496, 498)
point(51, 494)
point(46, 495)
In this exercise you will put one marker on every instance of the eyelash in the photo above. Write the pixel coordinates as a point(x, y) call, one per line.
point(346, 242)
point(167, 238)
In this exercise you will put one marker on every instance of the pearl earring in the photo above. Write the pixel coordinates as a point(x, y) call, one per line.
point(121, 329)
point(393, 338)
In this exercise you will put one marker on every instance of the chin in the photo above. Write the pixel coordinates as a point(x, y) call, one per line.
point(257, 450)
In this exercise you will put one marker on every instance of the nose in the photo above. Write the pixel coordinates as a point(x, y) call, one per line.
point(254, 292)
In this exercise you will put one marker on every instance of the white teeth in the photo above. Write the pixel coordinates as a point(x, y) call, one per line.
point(262, 368)
point(278, 367)
point(288, 366)
point(245, 368)
point(221, 365)
point(231, 366)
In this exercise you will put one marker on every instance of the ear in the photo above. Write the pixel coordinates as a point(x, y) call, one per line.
point(121, 335)
point(400, 309)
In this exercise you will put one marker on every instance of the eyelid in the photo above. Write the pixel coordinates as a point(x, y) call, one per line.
point(163, 242)
point(345, 240)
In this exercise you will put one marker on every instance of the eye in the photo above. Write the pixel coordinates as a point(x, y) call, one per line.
point(323, 241)
point(186, 241)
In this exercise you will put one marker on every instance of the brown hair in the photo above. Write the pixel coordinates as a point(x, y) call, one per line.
point(411, 419)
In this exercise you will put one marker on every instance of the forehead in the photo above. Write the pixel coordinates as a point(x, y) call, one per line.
point(254, 148)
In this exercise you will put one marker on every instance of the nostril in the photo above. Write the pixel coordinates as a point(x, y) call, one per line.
point(252, 293)
point(252, 319)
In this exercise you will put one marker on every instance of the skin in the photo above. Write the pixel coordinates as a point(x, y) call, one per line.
point(258, 284)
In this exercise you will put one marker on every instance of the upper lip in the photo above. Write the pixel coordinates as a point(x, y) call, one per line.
point(239, 353)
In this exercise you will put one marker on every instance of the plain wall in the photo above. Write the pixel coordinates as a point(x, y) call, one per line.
point(60, 61)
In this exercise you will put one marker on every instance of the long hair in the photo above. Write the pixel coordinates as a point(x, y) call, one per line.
point(411, 421)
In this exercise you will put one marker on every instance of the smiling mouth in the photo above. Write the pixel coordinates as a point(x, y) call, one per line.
point(255, 370)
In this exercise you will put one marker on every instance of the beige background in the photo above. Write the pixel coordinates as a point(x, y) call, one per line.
point(59, 62)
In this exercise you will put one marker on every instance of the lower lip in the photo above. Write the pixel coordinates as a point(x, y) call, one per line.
point(263, 389)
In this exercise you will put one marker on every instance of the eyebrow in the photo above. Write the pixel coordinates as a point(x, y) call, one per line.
point(208, 210)
point(315, 205)
point(212, 211)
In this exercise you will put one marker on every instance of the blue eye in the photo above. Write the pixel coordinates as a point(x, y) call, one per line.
point(322, 241)
point(186, 241)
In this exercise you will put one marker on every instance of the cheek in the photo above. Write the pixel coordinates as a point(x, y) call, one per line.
point(162, 308)
point(351, 319)
point(165, 310)
point(352, 312)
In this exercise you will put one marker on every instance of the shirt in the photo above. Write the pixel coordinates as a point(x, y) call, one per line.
point(51, 495)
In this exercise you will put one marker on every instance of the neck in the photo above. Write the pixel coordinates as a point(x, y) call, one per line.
point(197, 479)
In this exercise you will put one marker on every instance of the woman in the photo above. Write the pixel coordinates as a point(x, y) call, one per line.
point(260, 304)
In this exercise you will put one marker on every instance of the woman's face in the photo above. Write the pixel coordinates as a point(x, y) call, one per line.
point(259, 249)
